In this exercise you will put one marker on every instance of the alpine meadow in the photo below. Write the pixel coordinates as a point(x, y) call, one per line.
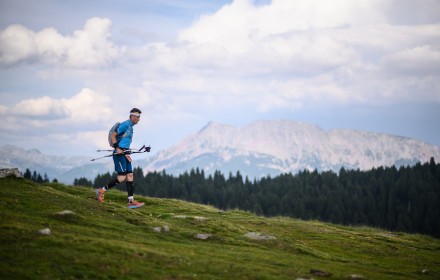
point(53, 231)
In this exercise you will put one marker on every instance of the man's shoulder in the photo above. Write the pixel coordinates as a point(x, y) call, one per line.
point(124, 125)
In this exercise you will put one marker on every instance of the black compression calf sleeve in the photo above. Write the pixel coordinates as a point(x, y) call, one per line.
point(113, 183)
point(130, 188)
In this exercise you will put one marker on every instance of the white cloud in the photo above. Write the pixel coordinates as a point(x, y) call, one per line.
point(43, 107)
point(238, 26)
point(418, 61)
point(88, 106)
point(89, 47)
point(85, 106)
point(17, 43)
point(291, 53)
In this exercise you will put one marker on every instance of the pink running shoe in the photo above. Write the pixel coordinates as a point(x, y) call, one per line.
point(100, 195)
point(135, 204)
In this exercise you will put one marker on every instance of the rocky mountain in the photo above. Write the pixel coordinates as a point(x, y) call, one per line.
point(280, 146)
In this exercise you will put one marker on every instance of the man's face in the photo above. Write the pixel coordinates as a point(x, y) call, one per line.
point(135, 117)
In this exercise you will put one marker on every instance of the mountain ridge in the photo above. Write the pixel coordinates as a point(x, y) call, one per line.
point(261, 148)
point(281, 146)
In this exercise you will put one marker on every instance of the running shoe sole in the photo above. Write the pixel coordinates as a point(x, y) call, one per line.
point(136, 206)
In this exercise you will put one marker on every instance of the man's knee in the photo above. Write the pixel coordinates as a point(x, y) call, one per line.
point(121, 178)
point(130, 177)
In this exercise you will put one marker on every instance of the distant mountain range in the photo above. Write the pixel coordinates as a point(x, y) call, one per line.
point(64, 169)
point(273, 147)
point(259, 149)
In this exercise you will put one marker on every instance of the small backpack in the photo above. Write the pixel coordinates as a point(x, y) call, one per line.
point(118, 137)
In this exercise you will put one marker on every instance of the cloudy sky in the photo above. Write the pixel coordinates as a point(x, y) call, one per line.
point(70, 69)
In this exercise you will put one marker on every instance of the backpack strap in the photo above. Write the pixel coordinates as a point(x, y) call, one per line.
point(119, 137)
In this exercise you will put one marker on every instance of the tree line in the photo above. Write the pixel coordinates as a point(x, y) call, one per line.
point(36, 177)
point(404, 199)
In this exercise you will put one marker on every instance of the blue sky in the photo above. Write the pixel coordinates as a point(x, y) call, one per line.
point(70, 69)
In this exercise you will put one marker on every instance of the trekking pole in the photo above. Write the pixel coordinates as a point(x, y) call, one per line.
point(114, 149)
point(143, 149)
point(93, 159)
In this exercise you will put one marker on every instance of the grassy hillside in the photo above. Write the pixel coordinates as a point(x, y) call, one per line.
point(110, 241)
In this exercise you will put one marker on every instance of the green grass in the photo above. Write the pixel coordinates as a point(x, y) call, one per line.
point(110, 241)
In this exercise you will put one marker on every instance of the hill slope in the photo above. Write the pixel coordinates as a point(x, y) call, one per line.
point(282, 146)
point(102, 241)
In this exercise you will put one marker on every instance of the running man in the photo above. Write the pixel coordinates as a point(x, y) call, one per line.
point(121, 141)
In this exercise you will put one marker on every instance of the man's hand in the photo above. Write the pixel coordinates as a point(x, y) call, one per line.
point(128, 157)
point(119, 151)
